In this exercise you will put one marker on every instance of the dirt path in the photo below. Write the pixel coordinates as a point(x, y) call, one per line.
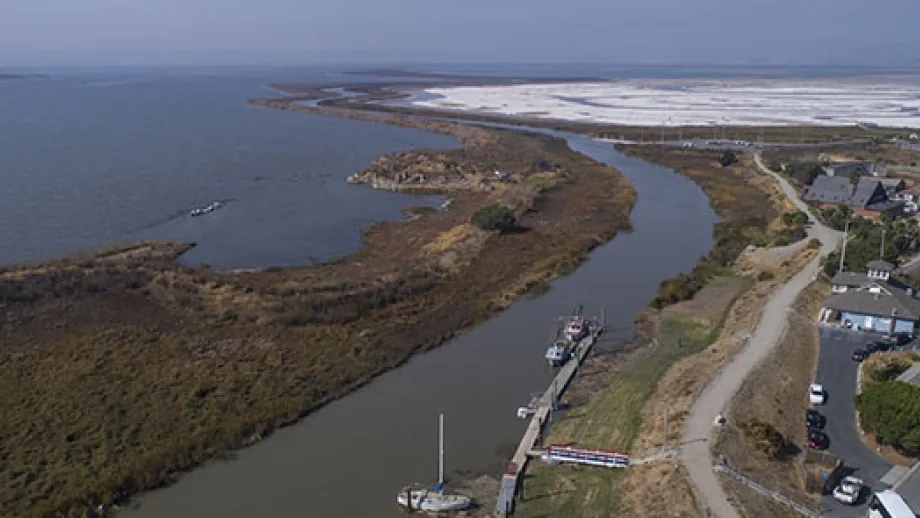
point(695, 452)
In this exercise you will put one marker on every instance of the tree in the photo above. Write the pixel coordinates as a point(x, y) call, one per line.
point(494, 217)
point(891, 411)
point(728, 158)
point(854, 178)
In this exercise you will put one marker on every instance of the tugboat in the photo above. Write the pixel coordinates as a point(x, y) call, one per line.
point(559, 353)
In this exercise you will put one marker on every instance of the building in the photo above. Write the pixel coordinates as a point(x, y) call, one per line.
point(893, 185)
point(844, 170)
point(868, 198)
point(872, 301)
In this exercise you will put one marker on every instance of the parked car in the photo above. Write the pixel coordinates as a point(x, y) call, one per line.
point(900, 338)
point(817, 439)
point(849, 490)
point(860, 355)
point(814, 419)
point(878, 346)
point(816, 395)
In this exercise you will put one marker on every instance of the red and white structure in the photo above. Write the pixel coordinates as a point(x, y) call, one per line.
point(603, 458)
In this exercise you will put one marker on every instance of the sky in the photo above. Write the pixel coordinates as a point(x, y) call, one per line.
point(269, 32)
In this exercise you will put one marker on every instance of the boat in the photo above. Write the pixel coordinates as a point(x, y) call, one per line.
point(577, 328)
point(206, 209)
point(433, 500)
point(559, 353)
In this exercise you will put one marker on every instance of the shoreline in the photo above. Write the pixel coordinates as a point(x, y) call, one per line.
point(211, 307)
point(371, 97)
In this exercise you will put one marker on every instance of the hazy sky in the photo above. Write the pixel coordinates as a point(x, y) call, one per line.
point(138, 32)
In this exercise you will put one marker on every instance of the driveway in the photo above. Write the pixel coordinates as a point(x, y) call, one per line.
point(837, 372)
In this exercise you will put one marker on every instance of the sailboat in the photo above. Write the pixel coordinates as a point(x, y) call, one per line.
point(435, 500)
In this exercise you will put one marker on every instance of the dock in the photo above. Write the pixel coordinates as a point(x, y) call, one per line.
point(528, 447)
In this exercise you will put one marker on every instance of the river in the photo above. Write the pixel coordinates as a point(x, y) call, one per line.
point(350, 458)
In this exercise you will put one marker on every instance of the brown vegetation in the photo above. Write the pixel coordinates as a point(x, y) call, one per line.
point(121, 369)
point(737, 194)
point(765, 430)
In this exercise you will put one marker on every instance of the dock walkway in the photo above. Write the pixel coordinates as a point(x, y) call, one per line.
point(511, 479)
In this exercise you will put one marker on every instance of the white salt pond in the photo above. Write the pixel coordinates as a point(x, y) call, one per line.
point(826, 102)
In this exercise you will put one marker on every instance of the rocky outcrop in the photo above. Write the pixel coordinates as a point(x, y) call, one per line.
point(415, 170)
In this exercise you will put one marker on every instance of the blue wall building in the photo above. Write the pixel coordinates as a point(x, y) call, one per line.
point(872, 301)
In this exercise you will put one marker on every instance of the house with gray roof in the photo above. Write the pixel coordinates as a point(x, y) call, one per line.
point(872, 301)
point(845, 169)
point(867, 198)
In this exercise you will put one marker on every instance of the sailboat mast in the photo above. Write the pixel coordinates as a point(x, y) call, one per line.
point(440, 450)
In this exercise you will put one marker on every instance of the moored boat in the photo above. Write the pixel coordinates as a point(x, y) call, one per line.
point(558, 353)
point(577, 328)
point(434, 500)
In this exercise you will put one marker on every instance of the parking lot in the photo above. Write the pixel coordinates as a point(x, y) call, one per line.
point(837, 372)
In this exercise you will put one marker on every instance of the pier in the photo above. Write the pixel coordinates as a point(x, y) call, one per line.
point(545, 405)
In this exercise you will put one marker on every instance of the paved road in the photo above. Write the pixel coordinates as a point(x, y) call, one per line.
point(695, 453)
point(837, 372)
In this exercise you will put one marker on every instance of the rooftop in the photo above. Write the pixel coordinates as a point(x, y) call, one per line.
point(881, 265)
point(886, 301)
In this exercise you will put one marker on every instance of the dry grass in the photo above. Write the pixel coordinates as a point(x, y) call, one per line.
point(121, 369)
point(751, 504)
point(773, 394)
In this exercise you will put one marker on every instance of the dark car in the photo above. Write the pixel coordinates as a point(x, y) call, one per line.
point(814, 419)
point(899, 339)
point(860, 355)
point(878, 345)
point(817, 439)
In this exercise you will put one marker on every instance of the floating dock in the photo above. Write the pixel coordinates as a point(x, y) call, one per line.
point(511, 479)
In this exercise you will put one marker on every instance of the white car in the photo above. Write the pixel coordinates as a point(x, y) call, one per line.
point(848, 491)
point(816, 394)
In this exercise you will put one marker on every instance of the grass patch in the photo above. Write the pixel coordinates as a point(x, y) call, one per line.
point(611, 421)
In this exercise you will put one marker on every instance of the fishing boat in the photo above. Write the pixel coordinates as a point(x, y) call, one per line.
point(559, 353)
point(433, 500)
point(577, 328)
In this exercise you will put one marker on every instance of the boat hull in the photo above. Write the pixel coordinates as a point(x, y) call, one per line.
point(432, 501)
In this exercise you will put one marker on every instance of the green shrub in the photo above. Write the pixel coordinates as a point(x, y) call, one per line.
point(891, 411)
point(494, 217)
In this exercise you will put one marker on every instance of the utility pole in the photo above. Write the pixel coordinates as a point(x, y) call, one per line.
point(843, 248)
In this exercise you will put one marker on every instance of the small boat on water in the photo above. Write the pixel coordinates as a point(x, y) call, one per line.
point(206, 209)
point(577, 328)
point(433, 500)
point(559, 353)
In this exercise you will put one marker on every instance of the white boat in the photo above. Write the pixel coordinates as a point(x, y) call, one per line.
point(434, 500)
point(204, 210)
point(576, 328)
point(559, 353)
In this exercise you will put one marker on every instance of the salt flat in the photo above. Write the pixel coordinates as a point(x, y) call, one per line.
point(827, 102)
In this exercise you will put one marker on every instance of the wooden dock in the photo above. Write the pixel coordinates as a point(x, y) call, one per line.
point(511, 480)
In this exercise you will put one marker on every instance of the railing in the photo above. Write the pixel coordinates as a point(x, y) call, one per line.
point(775, 495)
